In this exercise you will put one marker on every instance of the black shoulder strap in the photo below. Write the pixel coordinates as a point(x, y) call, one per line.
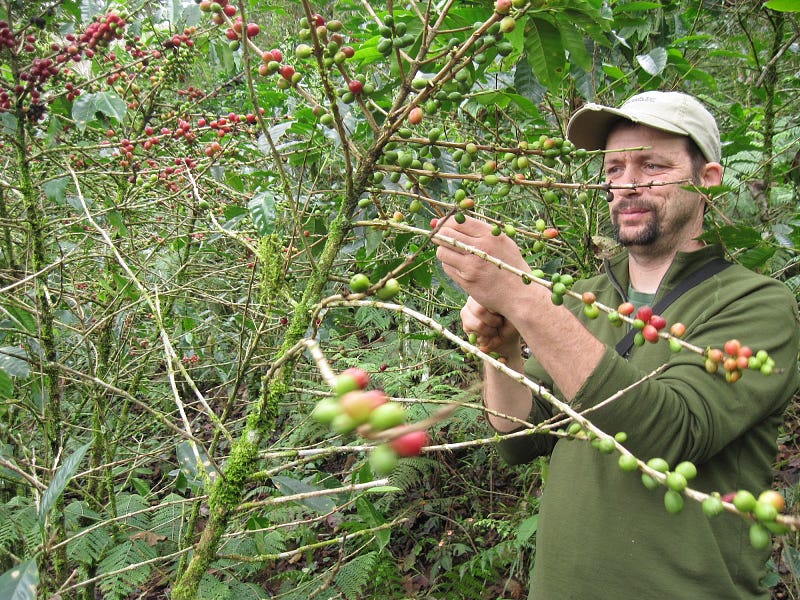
point(707, 270)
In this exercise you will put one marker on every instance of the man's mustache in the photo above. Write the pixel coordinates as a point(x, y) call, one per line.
point(632, 204)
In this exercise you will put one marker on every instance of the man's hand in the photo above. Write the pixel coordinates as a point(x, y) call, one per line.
point(495, 333)
point(491, 287)
point(557, 338)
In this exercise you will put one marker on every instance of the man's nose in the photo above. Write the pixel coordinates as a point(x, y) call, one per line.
point(624, 184)
point(628, 180)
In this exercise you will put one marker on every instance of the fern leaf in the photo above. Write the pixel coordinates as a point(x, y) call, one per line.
point(410, 472)
point(131, 503)
point(8, 528)
point(247, 591)
point(354, 576)
point(23, 525)
point(119, 584)
point(88, 548)
point(77, 513)
point(169, 520)
point(212, 588)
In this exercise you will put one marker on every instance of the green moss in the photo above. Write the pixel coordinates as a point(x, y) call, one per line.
point(227, 491)
point(270, 276)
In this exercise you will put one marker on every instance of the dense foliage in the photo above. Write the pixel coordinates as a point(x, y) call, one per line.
point(187, 192)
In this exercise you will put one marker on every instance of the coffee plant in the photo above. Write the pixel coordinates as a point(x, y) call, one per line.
point(230, 366)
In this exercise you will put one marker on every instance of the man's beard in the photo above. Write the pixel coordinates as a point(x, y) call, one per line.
point(643, 237)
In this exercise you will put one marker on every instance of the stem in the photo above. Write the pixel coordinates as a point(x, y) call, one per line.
point(36, 234)
point(769, 78)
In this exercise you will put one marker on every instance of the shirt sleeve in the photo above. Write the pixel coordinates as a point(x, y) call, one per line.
point(524, 448)
point(684, 412)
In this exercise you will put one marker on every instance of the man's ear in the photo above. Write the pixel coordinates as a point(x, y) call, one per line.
point(712, 174)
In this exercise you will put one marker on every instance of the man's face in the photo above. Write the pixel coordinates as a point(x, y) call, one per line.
point(651, 219)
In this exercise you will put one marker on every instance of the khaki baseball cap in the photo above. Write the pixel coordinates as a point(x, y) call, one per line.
point(673, 112)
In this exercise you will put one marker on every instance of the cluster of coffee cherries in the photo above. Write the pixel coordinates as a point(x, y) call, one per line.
point(239, 30)
point(219, 8)
point(360, 284)
point(334, 52)
point(763, 510)
point(647, 324)
point(7, 37)
point(735, 357)
point(369, 412)
point(31, 79)
point(103, 30)
point(99, 33)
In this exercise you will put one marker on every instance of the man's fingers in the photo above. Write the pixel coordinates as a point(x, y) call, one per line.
point(490, 318)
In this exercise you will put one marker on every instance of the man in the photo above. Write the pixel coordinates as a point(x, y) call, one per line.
point(601, 533)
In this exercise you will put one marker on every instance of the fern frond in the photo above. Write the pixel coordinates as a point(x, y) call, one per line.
point(169, 520)
point(244, 546)
point(247, 591)
point(88, 548)
point(130, 503)
point(271, 542)
point(8, 528)
point(303, 590)
point(355, 575)
point(410, 472)
point(213, 589)
point(22, 524)
point(467, 584)
point(119, 585)
point(77, 514)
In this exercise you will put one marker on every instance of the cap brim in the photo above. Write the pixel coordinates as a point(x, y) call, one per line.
point(589, 127)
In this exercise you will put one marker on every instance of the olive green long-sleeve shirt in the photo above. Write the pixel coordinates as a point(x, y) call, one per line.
point(601, 533)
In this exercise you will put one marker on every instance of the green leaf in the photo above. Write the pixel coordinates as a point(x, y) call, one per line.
point(6, 385)
point(373, 518)
point(545, 52)
point(55, 189)
point(262, 211)
point(734, 236)
point(276, 132)
point(13, 361)
point(72, 7)
point(289, 487)
point(117, 221)
point(20, 582)
point(654, 61)
point(783, 5)
point(423, 275)
point(60, 480)
point(86, 107)
point(527, 85)
point(491, 98)
point(636, 7)
point(194, 461)
point(9, 122)
point(527, 528)
point(689, 71)
point(757, 257)
point(574, 41)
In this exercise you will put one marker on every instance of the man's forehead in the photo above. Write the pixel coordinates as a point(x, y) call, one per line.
point(623, 127)
point(642, 153)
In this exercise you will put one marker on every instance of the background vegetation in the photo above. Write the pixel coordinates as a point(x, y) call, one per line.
point(178, 226)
